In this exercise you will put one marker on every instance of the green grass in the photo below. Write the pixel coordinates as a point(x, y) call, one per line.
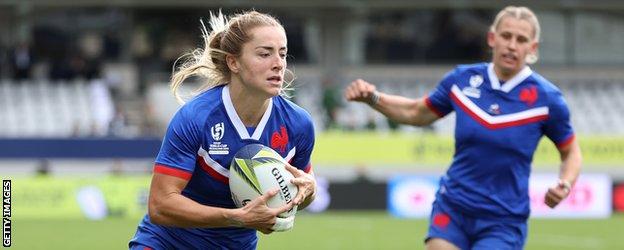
point(335, 230)
point(72, 234)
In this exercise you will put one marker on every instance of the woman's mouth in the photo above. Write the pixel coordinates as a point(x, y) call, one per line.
point(509, 58)
point(275, 79)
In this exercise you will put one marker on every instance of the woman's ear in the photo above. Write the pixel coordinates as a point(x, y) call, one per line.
point(232, 63)
point(534, 47)
point(491, 39)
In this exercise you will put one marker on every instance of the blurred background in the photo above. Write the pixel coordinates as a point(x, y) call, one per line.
point(84, 102)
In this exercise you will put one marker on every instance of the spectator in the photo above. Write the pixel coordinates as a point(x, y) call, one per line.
point(21, 61)
point(331, 103)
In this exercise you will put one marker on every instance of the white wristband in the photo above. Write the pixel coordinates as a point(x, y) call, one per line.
point(566, 185)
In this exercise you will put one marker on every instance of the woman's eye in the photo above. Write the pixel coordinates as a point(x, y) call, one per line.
point(283, 55)
point(264, 54)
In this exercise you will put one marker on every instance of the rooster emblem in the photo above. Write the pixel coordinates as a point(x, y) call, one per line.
point(529, 95)
point(280, 140)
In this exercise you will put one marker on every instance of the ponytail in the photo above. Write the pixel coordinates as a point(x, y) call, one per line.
point(208, 63)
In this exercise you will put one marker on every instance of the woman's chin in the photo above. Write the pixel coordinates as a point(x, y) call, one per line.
point(508, 68)
point(275, 88)
point(272, 91)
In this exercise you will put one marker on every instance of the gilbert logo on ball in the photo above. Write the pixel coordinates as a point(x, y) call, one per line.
point(256, 169)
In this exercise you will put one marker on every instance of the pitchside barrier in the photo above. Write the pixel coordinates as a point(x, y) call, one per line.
point(618, 197)
point(46, 197)
point(591, 197)
point(594, 196)
point(331, 149)
point(423, 149)
point(408, 196)
point(78, 148)
point(71, 197)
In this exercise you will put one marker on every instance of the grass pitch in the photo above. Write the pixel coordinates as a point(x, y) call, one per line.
point(332, 230)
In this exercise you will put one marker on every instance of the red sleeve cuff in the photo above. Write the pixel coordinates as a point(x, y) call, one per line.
point(432, 108)
point(566, 142)
point(162, 169)
point(308, 168)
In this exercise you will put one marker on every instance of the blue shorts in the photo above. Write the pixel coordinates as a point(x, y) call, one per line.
point(141, 247)
point(469, 232)
point(161, 238)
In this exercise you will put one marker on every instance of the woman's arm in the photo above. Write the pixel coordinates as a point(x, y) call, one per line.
point(397, 108)
point(568, 173)
point(167, 206)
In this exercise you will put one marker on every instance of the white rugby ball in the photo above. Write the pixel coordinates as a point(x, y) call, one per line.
point(257, 169)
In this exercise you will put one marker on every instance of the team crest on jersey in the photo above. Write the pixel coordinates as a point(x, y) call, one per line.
point(529, 95)
point(218, 148)
point(473, 91)
point(280, 140)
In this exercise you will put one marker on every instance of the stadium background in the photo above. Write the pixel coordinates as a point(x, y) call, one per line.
point(84, 102)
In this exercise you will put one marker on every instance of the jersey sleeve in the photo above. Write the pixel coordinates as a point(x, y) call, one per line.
point(439, 100)
point(558, 127)
point(178, 152)
point(304, 144)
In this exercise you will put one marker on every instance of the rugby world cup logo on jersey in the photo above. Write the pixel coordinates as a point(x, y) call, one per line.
point(218, 148)
point(217, 131)
point(473, 90)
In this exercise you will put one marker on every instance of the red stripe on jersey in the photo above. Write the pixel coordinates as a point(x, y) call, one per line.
point(211, 171)
point(432, 108)
point(162, 169)
point(566, 142)
point(497, 125)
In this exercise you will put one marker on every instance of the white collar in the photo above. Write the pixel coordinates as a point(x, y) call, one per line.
point(236, 121)
point(511, 83)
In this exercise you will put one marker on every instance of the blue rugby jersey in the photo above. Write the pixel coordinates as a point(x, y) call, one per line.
point(199, 145)
point(498, 128)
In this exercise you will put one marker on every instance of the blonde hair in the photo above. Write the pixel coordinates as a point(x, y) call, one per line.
point(225, 38)
point(520, 13)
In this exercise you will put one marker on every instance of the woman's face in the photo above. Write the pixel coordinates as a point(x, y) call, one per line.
point(511, 43)
point(262, 62)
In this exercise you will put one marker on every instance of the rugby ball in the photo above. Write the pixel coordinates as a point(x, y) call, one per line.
point(257, 169)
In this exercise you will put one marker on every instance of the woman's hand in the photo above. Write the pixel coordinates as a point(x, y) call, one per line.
point(306, 183)
point(361, 91)
point(257, 215)
point(558, 193)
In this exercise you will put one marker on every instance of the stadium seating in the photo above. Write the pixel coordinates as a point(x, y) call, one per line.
point(60, 109)
point(46, 109)
point(596, 105)
point(595, 97)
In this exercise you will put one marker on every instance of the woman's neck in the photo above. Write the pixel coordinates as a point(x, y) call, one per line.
point(250, 107)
